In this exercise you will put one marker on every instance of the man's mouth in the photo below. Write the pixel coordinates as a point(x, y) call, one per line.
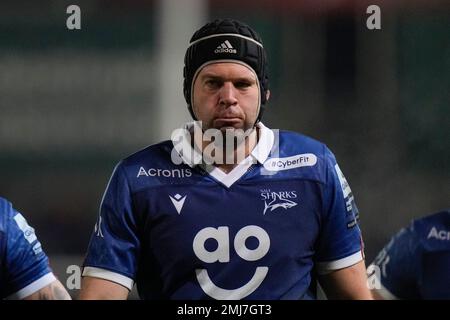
point(227, 122)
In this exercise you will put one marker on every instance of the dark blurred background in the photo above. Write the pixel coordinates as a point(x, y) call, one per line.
point(73, 103)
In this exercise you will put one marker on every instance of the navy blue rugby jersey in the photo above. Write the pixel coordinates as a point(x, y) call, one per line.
point(24, 267)
point(185, 231)
point(415, 264)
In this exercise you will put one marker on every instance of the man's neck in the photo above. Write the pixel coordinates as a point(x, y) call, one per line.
point(231, 157)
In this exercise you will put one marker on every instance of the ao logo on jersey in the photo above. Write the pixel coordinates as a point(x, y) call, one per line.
point(222, 254)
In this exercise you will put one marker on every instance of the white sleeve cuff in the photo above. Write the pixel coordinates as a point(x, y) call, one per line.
point(33, 287)
point(108, 275)
point(329, 266)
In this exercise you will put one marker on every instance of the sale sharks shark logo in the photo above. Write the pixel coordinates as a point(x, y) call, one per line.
point(285, 204)
point(280, 199)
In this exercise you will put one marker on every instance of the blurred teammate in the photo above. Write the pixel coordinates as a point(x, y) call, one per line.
point(24, 268)
point(183, 223)
point(415, 264)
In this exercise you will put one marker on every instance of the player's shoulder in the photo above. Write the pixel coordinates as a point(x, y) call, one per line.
point(297, 156)
point(152, 153)
point(156, 155)
point(4, 205)
point(153, 166)
point(6, 213)
point(299, 142)
point(291, 143)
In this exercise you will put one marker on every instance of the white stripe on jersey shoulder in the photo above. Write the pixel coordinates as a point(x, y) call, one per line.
point(329, 266)
point(33, 287)
point(108, 275)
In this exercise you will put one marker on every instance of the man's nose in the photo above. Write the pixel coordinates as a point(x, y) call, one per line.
point(227, 94)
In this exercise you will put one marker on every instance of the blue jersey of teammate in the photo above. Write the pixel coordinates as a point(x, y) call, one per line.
point(415, 264)
point(259, 232)
point(24, 267)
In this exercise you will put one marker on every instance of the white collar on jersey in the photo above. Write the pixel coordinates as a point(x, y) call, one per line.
point(192, 156)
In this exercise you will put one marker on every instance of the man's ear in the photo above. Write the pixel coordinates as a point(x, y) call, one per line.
point(267, 95)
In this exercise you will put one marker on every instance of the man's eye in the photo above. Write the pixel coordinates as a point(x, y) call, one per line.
point(212, 83)
point(242, 84)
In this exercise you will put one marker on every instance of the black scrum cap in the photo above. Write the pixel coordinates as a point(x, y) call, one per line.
point(224, 40)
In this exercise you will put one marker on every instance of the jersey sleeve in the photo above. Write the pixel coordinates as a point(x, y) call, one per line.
point(340, 243)
point(114, 246)
point(396, 267)
point(26, 265)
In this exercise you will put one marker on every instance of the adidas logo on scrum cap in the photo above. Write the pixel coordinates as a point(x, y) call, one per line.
point(225, 47)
